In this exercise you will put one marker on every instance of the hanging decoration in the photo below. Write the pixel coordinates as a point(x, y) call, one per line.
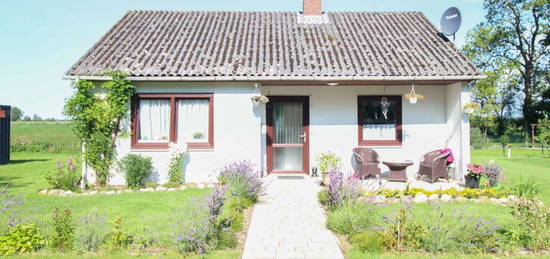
point(413, 97)
point(385, 105)
point(259, 98)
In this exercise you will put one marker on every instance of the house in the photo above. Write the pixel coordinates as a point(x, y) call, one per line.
point(335, 81)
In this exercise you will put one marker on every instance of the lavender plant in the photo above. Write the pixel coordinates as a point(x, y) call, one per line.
point(242, 180)
point(192, 229)
point(492, 172)
point(341, 190)
point(91, 232)
point(11, 210)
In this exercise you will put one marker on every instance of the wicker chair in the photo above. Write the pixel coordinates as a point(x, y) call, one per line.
point(366, 162)
point(433, 165)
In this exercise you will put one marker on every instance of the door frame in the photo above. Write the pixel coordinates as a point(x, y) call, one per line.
point(305, 128)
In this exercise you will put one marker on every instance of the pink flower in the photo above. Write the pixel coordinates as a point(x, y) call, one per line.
point(59, 164)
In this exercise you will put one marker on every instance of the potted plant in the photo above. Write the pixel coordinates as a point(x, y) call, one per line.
point(197, 135)
point(413, 97)
point(470, 108)
point(474, 175)
point(259, 99)
point(326, 162)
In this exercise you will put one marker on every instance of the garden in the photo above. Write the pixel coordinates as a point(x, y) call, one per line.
point(497, 218)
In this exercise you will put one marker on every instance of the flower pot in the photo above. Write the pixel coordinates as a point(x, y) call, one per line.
point(471, 182)
point(413, 100)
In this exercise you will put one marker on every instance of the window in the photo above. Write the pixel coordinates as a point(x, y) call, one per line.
point(158, 119)
point(379, 120)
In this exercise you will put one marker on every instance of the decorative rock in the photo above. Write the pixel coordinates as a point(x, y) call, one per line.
point(43, 192)
point(69, 192)
point(512, 198)
point(407, 199)
point(433, 198)
point(147, 190)
point(160, 188)
point(373, 199)
point(183, 187)
point(460, 198)
point(474, 200)
point(446, 198)
point(420, 197)
point(392, 200)
point(200, 185)
point(93, 192)
point(502, 201)
point(110, 192)
point(494, 200)
point(210, 185)
point(171, 189)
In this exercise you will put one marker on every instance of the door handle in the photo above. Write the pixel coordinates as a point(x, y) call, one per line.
point(304, 137)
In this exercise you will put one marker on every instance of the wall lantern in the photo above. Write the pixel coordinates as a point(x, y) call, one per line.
point(413, 97)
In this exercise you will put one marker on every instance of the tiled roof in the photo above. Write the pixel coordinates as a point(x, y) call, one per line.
point(273, 44)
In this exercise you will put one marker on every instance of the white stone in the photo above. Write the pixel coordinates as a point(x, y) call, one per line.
point(147, 190)
point(420, 197)
point(183, 187)
point(446, 198)
point(171, 189)
point(512, 198)
point(43, 192)
point(474, 200)
point(160, 188)
point(93, 192)
point(460, 198)
point(200, 185)
point(68, 192)
point(433, 198)
point(493, 200)
point(210, 185)
point(110, 192)
point(502, 201)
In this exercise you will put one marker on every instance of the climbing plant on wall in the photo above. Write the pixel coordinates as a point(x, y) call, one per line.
point(96, 112)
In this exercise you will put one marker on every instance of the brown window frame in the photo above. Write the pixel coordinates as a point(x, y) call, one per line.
point(173, 120)
point(399, 116)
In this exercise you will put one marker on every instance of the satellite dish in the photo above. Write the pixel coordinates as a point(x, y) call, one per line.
point(451, 21)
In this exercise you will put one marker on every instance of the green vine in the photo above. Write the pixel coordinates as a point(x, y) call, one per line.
point(97, 116)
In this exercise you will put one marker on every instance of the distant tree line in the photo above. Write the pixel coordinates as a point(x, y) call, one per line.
point(18, 115)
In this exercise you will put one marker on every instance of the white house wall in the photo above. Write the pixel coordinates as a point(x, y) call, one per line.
point(239, 126)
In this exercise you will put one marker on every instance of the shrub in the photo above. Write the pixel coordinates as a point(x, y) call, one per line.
point(323, 197)
point(351, 218)
point(328, 162)
point(492, 172)
point(242, 180)
point(136, 169)
point(23, 238)
point(64, 178)
point(469, 193)
point(403, 232)
point(368, 241)
point(175, 168)
point(118, 238)
point(526, 188)
point(534, 220)
point(91, 232)
point(342, 190)
point(389, 193)
point(63, 226)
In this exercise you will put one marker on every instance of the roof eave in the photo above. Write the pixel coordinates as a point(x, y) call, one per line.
point(281, 78)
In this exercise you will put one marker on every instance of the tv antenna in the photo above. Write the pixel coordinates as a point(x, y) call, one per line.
point(450, 23)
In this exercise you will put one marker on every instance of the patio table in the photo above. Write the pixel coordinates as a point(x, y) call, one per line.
point(398, 170)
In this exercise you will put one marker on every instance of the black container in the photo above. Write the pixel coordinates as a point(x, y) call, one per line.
point(5, 112)
point(471, 182)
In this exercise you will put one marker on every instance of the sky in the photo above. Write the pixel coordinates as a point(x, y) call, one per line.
point(41, 39)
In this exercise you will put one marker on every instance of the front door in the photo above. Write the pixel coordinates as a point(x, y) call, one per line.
point(288, 134)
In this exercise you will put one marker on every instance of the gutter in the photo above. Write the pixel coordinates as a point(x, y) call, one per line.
point(282, 78)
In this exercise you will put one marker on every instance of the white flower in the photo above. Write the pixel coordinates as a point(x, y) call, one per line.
point(177, 149)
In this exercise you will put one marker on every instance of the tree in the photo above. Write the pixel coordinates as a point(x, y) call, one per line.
point(26, 118)
point(515, 33)
point(36, 118)
point(16, 114)
point(544, 132)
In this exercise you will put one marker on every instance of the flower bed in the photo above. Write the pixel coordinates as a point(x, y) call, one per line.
point(122, 189)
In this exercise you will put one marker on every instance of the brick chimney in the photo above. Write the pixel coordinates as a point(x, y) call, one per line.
point(312, 7)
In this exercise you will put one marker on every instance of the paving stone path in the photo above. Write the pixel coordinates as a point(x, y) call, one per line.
point(288, 222)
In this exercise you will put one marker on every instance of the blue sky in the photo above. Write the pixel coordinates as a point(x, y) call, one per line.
point(41, 39)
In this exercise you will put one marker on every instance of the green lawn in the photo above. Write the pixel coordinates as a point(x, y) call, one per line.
point(152, 210)
point(524, 163)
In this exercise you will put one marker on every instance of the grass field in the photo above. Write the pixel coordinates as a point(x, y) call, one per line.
point(51, 137)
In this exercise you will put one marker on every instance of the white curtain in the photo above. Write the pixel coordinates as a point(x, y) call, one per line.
point(193, 120)
point(154, 120)
point(379, 132)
